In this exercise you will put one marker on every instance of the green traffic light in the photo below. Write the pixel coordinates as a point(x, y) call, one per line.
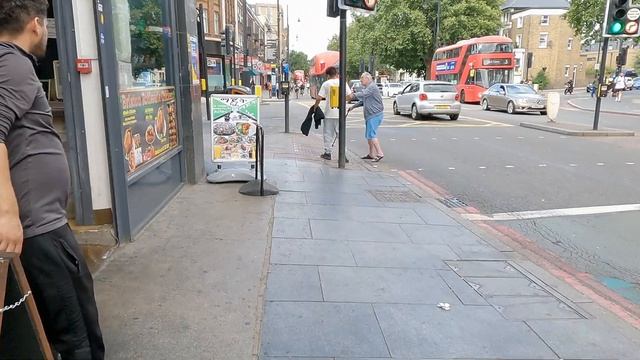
point(616, 28)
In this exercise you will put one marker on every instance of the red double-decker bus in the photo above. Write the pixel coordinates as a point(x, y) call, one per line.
point(474, 65)
point(319, 65)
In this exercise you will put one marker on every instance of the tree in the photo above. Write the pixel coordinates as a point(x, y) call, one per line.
point(541, 79)
point(334, 43)
point(299, 61)
point(586, 17)
point(148, 46)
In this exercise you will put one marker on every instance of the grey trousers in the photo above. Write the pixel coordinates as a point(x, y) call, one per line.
point(329, 134)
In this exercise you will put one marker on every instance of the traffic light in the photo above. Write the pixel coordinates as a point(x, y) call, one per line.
point(363, 5)
point(332, 8)
point(621, 19)
point(621, 59)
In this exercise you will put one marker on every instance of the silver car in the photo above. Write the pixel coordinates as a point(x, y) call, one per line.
point(428, 98)
point(514, 98)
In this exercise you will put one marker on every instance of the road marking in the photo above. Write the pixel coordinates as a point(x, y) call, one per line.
point(434, 139)
point(394, 170)
point(393, 139)
point(420, 169)
point(573, 165)
point(476, 138)
point(509, 166)
point(454, 138)
point(498, 137)
point(520, 137)
point(542, 165)
point(540, 137)
point(600, 164)
point(414, 139)
point(564, 137)
point(482, 167)
point(353, 140)
point(452, 168)
point(526, 215)
point(630, 163)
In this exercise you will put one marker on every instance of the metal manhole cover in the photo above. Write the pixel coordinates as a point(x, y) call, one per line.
point(395, 196)
point(453, 202)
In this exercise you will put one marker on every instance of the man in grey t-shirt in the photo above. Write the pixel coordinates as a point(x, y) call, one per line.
point(34, 188)
point(371, 99)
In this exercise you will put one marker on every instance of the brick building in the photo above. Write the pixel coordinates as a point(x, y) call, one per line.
point(538, 27)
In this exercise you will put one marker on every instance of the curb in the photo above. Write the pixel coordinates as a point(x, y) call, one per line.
point(569, 132)
point(572, 104)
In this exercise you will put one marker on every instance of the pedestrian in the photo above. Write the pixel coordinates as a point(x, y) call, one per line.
point(371, 99)
point(331, 115)
point(268, 88)
point(593, 86)
point(34, 188)
point(619, 86)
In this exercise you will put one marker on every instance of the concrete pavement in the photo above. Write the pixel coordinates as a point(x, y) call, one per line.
point(343, 264)
point(630, 104)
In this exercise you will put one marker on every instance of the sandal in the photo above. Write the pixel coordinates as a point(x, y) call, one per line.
point(368, 157)
point(377, 159)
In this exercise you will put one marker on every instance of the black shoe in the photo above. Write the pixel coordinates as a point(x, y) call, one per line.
point(346, 160)
point(377, 159)
point(368, 157)
point(326, 156)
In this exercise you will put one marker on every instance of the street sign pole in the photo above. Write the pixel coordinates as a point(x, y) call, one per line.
point(342, 133)
point(603, 67)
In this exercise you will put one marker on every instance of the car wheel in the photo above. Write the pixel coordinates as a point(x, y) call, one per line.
point(415, 115)
point(454, 116)
point(485, 104)
point(543, 113)
point(462, 97)
point(395, 108)
point(511, 107)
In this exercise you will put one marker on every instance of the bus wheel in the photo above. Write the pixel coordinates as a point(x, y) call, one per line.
point(462, 97)
point(395, 108)
point(415, 115)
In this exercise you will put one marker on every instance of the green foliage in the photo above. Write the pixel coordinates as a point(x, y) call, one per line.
point(636, 63)
point(299, 61)
point(586, 17)
point(334, 43)
point(541, 79)
point(147, 39)
point(401, 33)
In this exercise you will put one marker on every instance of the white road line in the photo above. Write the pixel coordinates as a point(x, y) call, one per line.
point(520, 137)
point(420, 169)
point(476, 138)
point(414, 139)
point(540, 137)
point(434, 139)
point(525, 215)
point(630, 163)
point(542, 165)
point(573, 165)
point(498, 137)
point(509, 166)
point(482, 167)
point(452, 168)
point(600, 164)
point(454, 138)
point(392, 139)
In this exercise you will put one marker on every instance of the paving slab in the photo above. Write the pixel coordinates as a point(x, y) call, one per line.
point(294, 283)
point(375, 285)
point(532, 308)
point(465, 292)
point(501, 269)
point(434, 216)
point(585, 339)
point(331, 198)
point(506, 287)
point(348, 213)
point(311, 252)
point(357, 231)
point(384, 181)
point(291, 197)
point(291, 228)
point(443, 235)
point(478, 252)
point(571, 129)
point(474, 332)
point(306, 329)
point(401, 255)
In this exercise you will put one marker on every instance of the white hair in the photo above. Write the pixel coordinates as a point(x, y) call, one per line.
point(366, 75)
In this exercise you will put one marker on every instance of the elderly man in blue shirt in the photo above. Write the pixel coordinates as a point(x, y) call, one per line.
point(370, 99)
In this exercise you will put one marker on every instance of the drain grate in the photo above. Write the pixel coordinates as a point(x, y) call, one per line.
point(453, 202)
point(395, 196)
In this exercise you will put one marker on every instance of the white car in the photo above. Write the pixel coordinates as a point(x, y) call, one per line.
point(391, 89)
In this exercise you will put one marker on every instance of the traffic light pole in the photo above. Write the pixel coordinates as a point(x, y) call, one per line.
point(603, 67)
point(342, 122)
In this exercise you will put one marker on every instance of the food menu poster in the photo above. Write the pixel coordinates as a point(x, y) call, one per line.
point(149, 125)
point(234, 125)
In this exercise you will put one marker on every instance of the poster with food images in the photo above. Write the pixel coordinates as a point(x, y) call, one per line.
point(233, 127)
point(149, 125)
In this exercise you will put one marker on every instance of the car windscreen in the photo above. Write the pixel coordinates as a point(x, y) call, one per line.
point(435, 88)
point(520, 89)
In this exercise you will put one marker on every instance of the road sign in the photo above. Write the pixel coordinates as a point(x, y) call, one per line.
point(360, 5)
point(621, 19)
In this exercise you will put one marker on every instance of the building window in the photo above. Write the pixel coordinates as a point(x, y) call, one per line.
point(566, 70)
point(570, 44)
point(216, 22)
point(544, 20)
point(520, 22)
point(543, 42)
point(205, 19)
point(519, 40)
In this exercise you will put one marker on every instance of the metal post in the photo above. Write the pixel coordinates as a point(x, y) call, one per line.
point(245, 37)
point(203, 60)
point(286, 78)
point(342, 135)
point(603, 66)
point(279, 60)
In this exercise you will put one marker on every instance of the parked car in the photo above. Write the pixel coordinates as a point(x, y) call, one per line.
point(636, 84)
point(423, 98)
point(357, 86)
point(352, 83)
point(514, 98)
point(391, 89)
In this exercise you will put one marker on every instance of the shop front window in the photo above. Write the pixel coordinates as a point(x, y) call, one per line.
point(144, 54)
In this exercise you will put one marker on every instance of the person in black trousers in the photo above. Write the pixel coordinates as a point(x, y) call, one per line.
point(34, 188)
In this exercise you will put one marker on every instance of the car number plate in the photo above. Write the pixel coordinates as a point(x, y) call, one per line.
point(439, 107)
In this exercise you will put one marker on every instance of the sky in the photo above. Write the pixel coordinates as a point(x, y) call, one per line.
point(311, 35)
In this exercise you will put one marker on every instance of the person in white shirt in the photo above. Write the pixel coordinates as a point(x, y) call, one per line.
point(330, 123)
point(618, 87)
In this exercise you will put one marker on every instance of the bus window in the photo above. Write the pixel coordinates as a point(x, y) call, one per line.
point(492, 48)
point(487, 77)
